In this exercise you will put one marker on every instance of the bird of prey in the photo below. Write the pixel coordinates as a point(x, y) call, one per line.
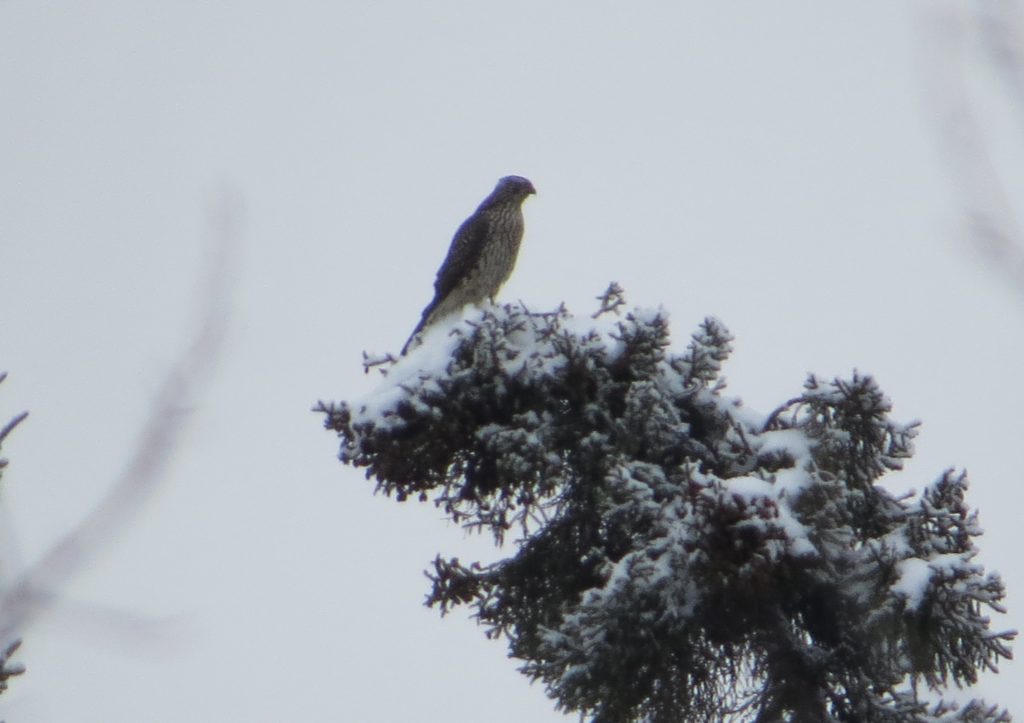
point(482, 254)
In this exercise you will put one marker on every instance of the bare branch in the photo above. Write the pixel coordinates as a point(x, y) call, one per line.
point(992, 224)
point(27, 598)
point(7, 668)
point(7, 428)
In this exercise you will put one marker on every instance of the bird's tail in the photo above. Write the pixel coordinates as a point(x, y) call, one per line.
point(419, 327)
point(412, 337)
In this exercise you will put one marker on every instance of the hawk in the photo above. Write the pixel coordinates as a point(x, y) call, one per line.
point(482, 254)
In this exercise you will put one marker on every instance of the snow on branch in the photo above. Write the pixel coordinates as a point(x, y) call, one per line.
point(677, 556)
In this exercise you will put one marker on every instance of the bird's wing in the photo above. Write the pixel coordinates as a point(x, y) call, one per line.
point(467, 245)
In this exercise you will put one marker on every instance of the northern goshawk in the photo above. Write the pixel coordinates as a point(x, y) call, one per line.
point(482, 254)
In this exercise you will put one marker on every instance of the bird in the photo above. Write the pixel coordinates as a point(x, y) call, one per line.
point(482, 253)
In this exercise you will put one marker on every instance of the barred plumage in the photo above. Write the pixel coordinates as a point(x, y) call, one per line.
point(482, 253)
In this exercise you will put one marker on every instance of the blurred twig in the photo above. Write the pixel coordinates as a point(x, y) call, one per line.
point(992, 223)
point(1002, 26)
point(9, 669)
point(9, 427)
point(29, 596)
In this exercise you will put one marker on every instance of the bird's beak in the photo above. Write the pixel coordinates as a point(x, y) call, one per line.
point(533, 190)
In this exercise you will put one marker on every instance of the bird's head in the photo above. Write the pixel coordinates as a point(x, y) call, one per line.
point(514, 187)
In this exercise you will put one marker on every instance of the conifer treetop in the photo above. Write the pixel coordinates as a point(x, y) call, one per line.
point(672, 554)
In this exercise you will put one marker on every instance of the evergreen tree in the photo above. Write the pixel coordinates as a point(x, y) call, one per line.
point(676, 556)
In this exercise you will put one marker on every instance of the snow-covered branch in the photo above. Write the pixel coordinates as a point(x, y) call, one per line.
point(678, 556)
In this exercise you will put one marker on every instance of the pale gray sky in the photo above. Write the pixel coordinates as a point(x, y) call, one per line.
point(774, 164)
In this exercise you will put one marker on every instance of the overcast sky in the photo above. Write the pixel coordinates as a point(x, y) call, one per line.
point(785, 166)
